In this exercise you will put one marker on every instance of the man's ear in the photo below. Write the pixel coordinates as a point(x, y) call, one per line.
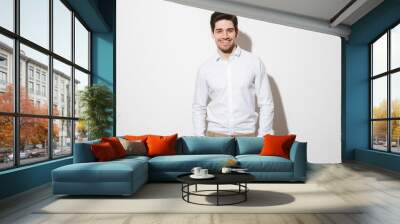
point(237, 32)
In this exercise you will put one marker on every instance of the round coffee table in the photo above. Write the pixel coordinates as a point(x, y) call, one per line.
point(238, 179)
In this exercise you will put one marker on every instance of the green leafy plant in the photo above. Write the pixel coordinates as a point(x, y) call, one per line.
point(96, 102)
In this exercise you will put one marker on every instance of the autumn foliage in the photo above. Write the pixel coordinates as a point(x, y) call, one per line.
point(380, 127)
point(33, 131)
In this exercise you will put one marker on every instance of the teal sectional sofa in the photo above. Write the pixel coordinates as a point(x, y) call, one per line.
point(125, 176)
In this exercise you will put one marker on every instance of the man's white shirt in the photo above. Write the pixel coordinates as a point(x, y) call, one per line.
point(226, 94)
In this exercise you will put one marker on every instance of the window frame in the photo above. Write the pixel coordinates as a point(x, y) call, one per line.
point(388, 74)
point(15, 72)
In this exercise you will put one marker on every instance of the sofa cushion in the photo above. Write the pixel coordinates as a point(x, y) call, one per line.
point(185, 163)
point(249, 145)
point(111, 171)
point(277, 145)
point(257, 163)
point(103, 152)
point(195, 145)
point(134, 147)
point(116, 145)
point(161, 145)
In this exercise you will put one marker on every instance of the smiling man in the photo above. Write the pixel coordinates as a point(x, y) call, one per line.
point(229, 85)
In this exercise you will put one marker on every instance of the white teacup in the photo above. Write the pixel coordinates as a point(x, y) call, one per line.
point(196, 170)
point(203, 172)
point(226, 170)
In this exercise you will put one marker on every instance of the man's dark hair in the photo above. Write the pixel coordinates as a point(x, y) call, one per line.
point(217, 16)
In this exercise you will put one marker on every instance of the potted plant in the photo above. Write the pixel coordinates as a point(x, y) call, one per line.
point(96, 102)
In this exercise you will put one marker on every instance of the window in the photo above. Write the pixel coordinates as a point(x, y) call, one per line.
point(44, 131)
point(385, 91)
point(7, 14)
point(44, 91)
point(35, 21)
point(3, 61)
point(37, 74)
point(62, 75)
point(3, 72)
point(38, 89)
point(30, 72)
point(30, 87)
point(81, 45)
point(3, 78)
point(62, 29)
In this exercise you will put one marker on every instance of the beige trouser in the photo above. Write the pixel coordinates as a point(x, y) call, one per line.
point(216, 134)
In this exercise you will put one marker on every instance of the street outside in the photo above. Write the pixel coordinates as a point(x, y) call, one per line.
point(32, 156)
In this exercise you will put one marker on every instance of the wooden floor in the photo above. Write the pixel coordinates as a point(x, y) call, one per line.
point(377, 188)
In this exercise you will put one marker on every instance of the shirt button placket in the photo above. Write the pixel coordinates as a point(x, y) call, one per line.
point(230, 97)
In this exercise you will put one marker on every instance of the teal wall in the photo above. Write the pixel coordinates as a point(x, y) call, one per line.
point(24, 178)
point(356, 63)
point(103, 51)
point(99, 15)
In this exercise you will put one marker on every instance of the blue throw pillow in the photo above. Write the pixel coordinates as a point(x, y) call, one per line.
point(249, 145)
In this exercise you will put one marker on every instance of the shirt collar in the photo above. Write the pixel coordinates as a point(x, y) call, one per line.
point(236, 53)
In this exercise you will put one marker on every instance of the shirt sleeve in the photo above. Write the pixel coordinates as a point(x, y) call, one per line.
point(265, 101)
point(199, 106)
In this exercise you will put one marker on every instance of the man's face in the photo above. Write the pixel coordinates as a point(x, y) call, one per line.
point(225, 35)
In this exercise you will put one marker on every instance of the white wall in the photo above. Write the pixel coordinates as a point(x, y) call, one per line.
point(161, 44)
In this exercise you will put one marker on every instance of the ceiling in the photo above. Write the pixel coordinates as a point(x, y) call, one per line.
point(327, 16)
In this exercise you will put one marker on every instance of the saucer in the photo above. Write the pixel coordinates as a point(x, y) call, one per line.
point(208, 176)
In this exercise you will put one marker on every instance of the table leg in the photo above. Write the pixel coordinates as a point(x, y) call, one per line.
point(196, 188)
point(245, 193)
point(217, 194)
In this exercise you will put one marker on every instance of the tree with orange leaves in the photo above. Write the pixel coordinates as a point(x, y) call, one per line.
point(33, 130)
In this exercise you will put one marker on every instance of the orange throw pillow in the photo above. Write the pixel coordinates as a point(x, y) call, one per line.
point(275, 145)
point(161, 145)
point(103, 151)
point(116, 145)
point(136, 138)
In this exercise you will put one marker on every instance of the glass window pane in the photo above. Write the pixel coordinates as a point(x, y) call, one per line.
point(379, 55)
point(34, 79)
point(62, 138)
point(6, 74)
point(379, 135)
point(81, 45)
point(81, 131)
point(395, 94)
point(395, 136)
point(379, 100)
point(62, 29)
point(35, 21)
point(6, 142)
point(395, 47)
point(62, 89)
point(81, 81)
point(33, 139)
point(7, 14)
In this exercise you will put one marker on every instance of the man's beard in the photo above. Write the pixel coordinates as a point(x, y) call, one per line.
point(229, 50)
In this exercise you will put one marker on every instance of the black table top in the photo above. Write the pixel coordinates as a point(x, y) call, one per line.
point(220, 178)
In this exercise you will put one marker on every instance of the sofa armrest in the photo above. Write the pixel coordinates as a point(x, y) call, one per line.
point(83, 152)
point(298, 155)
